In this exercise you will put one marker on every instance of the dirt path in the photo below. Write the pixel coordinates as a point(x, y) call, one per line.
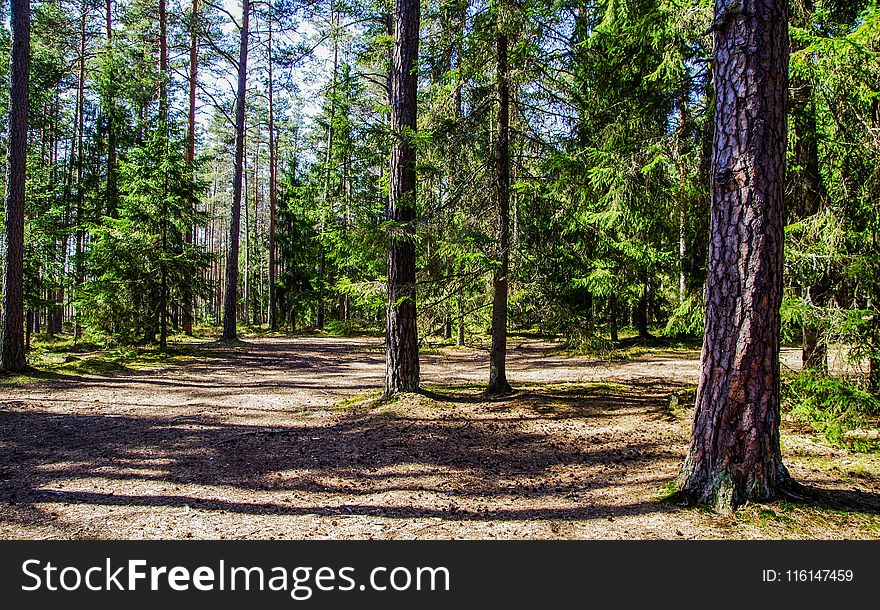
point(260, 442)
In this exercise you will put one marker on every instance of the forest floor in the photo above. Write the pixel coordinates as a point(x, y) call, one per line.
point(285, 438)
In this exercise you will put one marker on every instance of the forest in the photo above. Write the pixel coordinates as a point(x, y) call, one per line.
point(440, 268)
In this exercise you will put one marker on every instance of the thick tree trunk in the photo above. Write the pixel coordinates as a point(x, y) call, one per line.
point(12, 352)
point(498, 353)
point(230, 301)
point(734, 454)
point(402, 349)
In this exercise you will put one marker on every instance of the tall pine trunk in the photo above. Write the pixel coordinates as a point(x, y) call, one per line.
point(230, 298)
point(734, 453)
point(163, 126)
point(498, 354)
point(80, 159)
point(112, 161)
point(12, 353)
point(253, 287)
point(402, 349)
point(246, 288)
point(273, 306)
point(186, 285)
point(328, 155)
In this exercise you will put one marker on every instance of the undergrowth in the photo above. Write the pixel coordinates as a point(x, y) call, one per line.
point(60, 356)
point(846, 415)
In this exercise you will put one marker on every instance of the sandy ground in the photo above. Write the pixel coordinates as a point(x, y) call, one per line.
point(266, 440)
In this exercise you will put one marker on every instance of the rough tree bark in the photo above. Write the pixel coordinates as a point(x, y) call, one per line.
point(402, 349)
point(498, 353)
point(12, 353)
point(734, 453)
point(230, 298)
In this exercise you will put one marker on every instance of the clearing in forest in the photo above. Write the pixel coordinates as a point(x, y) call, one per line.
point(285, 438)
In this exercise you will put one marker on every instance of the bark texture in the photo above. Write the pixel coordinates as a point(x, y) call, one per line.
point(402, 349)
point(12, 354)
point(734, 454)
point(498, 383)
point(230, 300)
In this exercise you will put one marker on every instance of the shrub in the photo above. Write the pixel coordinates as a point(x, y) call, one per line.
point(833, 406)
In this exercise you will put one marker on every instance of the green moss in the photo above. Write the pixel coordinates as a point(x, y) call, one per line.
point(667, 492)
point(358, 399)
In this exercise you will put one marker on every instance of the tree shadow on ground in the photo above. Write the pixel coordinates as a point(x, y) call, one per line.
point(49, 456)
point(840, 500)
point(468, 448)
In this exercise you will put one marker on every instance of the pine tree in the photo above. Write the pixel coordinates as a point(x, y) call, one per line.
point(140, 263)
point(734, 454)
point(402, 350)
point(230, 304)
point(497, 357)
point(12, 354)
